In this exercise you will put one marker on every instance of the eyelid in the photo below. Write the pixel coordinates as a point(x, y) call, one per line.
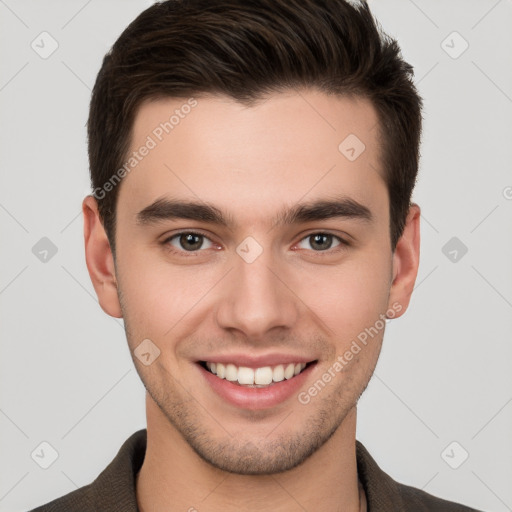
point(340, 235)
point(166, 242)
point(342, 241)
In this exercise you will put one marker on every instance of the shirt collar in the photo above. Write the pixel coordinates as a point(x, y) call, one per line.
point(117, 481)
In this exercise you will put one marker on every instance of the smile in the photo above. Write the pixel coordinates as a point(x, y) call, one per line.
point(255, 377)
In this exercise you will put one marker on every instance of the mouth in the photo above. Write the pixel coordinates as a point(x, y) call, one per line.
point(262, 377)
point(256, 381)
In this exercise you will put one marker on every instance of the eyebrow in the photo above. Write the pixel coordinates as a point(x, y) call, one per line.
point(174, 209)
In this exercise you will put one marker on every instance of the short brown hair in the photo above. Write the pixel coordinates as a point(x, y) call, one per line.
point(246, 50)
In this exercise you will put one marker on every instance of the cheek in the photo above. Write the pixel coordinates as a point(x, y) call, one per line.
point(350, 297)
point(159, 297)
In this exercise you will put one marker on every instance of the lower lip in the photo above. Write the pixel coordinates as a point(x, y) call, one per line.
point(256, 398)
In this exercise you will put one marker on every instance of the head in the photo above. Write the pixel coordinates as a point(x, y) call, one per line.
point(294, 128)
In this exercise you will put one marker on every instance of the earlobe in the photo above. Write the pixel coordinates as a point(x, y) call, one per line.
point(406, 261)
point(99, 259)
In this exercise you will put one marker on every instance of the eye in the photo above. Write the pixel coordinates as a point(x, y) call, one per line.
point(187, 241)
point(192, 242)
point(321, 241)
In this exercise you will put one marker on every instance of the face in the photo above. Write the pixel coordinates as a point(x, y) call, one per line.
point(267, 299)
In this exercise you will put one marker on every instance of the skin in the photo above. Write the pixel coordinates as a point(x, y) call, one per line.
point(294, 298)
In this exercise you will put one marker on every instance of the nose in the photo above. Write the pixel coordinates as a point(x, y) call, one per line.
point(257, 297)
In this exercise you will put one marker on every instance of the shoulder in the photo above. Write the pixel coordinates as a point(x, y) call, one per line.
point(113, 489)
point(385, 494)
point(420, 501)
point(80, 500)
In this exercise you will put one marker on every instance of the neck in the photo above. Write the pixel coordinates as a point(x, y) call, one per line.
point(173, 477)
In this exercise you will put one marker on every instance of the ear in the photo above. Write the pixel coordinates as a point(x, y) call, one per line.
point(406, 259)
point(99, 259)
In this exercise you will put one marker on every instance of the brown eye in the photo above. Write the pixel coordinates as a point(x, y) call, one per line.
point(321, 241)
point(188, 241)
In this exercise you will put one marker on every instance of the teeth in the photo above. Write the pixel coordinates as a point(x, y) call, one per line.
point(246, 375)
point(231, 372)
point(289, 371)
point(221, 371)
point(278, 373)
point(263, 375)
point(255, 377)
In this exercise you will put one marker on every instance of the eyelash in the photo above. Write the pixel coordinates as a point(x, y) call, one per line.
point(343, 243)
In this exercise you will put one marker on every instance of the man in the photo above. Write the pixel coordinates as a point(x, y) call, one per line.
point(251, 221)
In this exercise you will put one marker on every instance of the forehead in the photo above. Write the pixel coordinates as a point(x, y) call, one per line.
point(299, 144)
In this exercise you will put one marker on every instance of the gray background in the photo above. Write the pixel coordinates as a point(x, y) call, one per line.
point(445, 371)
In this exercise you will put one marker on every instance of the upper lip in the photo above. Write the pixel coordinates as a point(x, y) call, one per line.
point(257, 361)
